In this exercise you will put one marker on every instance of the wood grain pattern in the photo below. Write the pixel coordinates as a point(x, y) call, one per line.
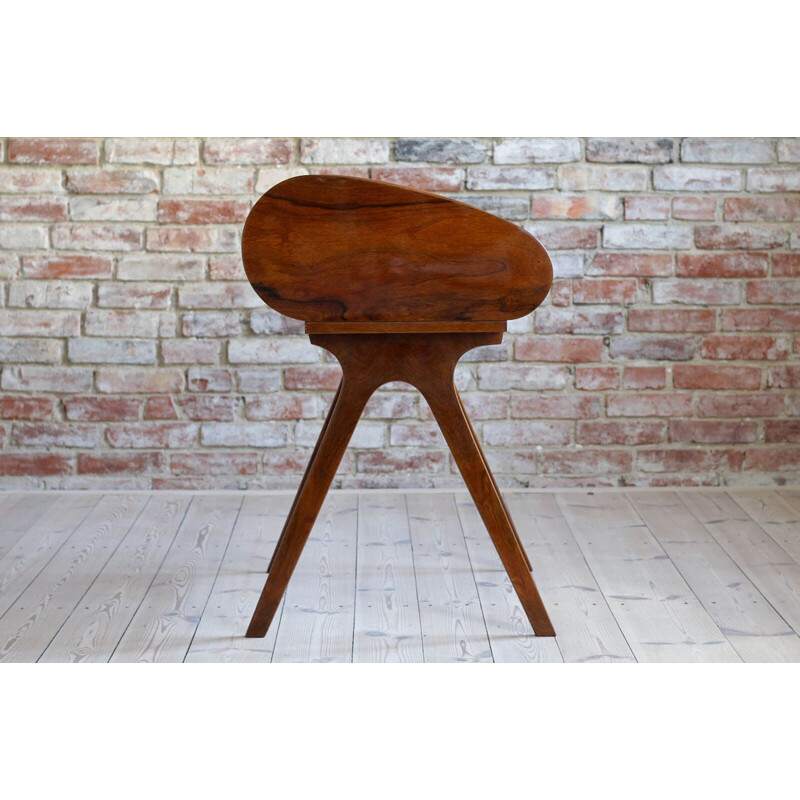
point(163, 626)
point(18, 515)
point(776, 516)
point(29, 626)
point(387, 624)
point(326, 249)
point(510, 634)
point(587, 631)
point(660, 616)
point(771, 569)
point(98, 622)
point(453, 628)
point(756, 631)
point(220, 634)
point(318, 614)
point(32, 551)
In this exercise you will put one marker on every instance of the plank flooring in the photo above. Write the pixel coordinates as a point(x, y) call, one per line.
point(392, 577)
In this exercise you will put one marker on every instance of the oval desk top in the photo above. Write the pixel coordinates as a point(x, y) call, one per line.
point(347, 250)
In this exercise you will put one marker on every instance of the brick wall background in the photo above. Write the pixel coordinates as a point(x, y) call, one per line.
point(135, 354)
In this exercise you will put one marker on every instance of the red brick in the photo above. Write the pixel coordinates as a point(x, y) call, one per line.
point(615, 292)
point(84, 267)
point(226, 268)
point(645, 377)
point(561, 293)
point(701, 376)
point(133, 295)
point(96, 237)
point(782, 430)
point(773, 459)
point(209, 379)
point(416, 434)
point(694, 208)
point(95, 409)
point(646, 207)
point(32, 209)
point(697, 179)
point(773, 179)
point(208, 407)
point(697, 292)
point(787, 377)
point(648, 405)
point(35, 464)
point(119, 463)
point(322, 376)
point(112, 181)
point(762, 209)
point(605, 432)
point(282, 406)
point(530, 433)
point(565, 237)
point(587, 462)
point(153, 434)
point(247, 151)
point(160, 408)
point(671, 319)
point(738, 237)
point(578, 320)
point(202, 212)
point(575, 206)
point(28, 408)
point(427, 179)
point(211, 324)
point(681, 460)
point(740, 405)
point(771, 291)
point(760, 319)
point(558, 348)
point(786, 265)
point(237, 296)
point(36, 323)
point(52, 151)
point(394, 460)
point(214, 464)
point(751, 348)
point(190, 351)
point(394, 405)
point(596, 378)
point(632, 264)
point(139, 380)
point(712, 432)
point(558, 407)
point(722, 265)
point(54, 434)
point(192, 240)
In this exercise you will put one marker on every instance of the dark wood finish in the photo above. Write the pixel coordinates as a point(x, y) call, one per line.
point(330, 249)
point(427, 361)
point(398, 285)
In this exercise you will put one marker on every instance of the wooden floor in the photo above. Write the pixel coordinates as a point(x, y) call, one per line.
point(668, 576)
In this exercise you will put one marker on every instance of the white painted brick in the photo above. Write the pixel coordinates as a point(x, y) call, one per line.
point(647, 237)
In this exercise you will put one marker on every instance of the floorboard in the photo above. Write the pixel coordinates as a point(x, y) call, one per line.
point(318, 610)
point(400, 577)
point(586, 630)
point(756, 631)
point(660, 616)
point(453, 626)
point(387, 622)
point(162, 628)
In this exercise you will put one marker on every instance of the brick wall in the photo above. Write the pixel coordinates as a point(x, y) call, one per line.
point(134, 353)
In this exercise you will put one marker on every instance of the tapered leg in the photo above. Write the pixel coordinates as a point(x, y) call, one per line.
point(449, 413)
point(496, 488)
point(305, 476)
point(341, 422)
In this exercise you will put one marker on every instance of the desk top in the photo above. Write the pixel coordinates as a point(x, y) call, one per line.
point(331, 250)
